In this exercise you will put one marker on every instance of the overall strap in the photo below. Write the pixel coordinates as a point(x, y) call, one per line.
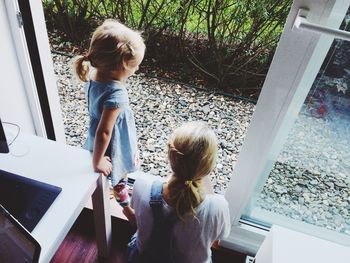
point(88, 96)
point(156, 201)
point(159, 249)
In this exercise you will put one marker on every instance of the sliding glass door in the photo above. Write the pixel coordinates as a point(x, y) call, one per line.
point(310, 179)
point(294, 167)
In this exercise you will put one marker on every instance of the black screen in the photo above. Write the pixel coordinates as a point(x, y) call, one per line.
point(26, 199)
point(3, 143)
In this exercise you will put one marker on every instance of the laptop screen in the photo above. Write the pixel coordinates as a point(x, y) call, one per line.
point(16, 243)
point(3, 143)
point(26, 199)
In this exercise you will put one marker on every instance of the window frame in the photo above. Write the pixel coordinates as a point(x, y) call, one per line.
point(294, 67)
point(39, 84)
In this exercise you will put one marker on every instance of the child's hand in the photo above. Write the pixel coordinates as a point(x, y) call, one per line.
point(120, 192)
point(104, 166)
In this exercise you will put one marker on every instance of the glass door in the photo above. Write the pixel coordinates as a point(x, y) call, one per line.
point(310, 179)
point(294, 167)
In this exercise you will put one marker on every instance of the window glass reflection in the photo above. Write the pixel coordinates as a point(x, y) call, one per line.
point(310, 181)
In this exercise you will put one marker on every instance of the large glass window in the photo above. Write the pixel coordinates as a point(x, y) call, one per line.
point(310, 180)
point(160, 102)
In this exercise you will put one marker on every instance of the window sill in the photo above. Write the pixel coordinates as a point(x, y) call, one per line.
point(244, 239)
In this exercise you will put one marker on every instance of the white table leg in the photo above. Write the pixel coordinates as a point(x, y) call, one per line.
point(102, 217)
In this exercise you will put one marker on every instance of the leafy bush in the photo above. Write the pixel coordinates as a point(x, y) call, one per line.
point(230, 43)
point(70, 16)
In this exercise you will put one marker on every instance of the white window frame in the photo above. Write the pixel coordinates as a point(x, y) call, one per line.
point(19, 39)
point(296, 62)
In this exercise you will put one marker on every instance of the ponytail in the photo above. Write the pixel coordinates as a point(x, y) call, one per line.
point(80, 68)
point(186, 196)
point(192, 154)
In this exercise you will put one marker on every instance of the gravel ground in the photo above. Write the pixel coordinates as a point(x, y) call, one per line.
point(159, 108)
point(310, 180)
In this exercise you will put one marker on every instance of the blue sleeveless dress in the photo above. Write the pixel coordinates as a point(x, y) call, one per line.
point(122, 148)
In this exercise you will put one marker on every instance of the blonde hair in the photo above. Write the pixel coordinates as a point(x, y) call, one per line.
point(113, 47)
point(192, 152)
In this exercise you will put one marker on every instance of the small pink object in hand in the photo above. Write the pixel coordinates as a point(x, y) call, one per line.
point(121, 193)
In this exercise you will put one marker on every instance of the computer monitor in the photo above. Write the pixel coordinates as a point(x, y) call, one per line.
point(3, 143)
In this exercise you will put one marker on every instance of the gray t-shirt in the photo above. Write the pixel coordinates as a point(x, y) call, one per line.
point(193, 239)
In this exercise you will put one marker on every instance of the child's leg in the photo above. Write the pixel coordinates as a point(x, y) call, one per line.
point(132, 250)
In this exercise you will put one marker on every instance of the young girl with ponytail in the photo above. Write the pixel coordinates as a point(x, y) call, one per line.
point(115, 53)
point(178, 220)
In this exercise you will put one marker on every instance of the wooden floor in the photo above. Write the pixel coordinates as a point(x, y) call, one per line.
point(80, 245)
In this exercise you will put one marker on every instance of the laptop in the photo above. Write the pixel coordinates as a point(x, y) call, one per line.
point(16, 243)
point(26, 199)
point(3, 143)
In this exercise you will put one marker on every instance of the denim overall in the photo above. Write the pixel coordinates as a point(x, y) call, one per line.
point(159, 247)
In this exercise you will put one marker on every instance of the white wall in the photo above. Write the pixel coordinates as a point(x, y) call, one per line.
point(14, 106)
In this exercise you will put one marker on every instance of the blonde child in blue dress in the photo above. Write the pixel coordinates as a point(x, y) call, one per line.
point(115, 53)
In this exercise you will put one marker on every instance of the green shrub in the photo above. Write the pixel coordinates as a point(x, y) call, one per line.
point(230, 42)
point(70, 16)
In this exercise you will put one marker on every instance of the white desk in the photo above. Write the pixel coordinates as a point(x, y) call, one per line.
point(71, 169)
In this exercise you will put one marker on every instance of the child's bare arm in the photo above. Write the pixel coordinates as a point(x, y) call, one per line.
point(120, 192)
point(103, 135)
point(130, 215)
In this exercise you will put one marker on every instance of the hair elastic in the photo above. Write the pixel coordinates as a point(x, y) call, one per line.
point(172, 147)
point(132, 51)
point(188, 183)
point(128, 45)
